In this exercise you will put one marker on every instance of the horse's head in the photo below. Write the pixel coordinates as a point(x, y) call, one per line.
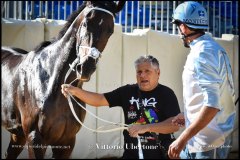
point(95, 24)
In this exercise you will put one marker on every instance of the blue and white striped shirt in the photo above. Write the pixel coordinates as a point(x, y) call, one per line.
point(207, 81)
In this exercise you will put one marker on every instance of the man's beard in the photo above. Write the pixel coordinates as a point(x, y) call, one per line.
point(183, 38)
point(185, 43)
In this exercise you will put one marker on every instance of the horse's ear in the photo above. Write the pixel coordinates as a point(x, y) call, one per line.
point(120, 5)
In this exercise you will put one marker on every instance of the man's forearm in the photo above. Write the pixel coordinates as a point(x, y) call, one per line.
point(202, 120)
point(94, 99)
point(163, 127)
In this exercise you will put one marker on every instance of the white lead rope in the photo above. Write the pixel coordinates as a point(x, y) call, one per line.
point(94, 130)
point(97, 130)
point(140, 152)
point(69, 96)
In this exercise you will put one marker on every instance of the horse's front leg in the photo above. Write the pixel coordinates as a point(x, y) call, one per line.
point(15, 146)
point(35, 145)
point(64, 151)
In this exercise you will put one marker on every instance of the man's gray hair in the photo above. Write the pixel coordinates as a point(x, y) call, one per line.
point(147, 58)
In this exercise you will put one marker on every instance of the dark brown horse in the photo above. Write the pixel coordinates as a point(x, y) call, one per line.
point(33, 109)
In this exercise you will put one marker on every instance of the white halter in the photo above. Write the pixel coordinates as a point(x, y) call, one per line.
point(92, 51)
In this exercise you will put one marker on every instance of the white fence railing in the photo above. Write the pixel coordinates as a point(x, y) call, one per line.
point(157, 15)
point(117, 60)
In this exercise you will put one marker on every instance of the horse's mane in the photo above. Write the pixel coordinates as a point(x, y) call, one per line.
point(70, 19)
point(42, 45)
point(109, 5)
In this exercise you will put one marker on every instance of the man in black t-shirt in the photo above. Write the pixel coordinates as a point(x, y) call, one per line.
point(148, 106)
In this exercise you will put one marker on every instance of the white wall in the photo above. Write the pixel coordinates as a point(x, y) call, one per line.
point(115, 68)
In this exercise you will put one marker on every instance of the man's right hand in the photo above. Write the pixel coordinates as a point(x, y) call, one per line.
point(66, 89)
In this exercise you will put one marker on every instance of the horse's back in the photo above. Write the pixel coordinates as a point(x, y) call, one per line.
point(9, 53)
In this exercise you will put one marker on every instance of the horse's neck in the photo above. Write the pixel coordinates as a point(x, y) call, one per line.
point(65, 44)
point(62, 48)
point(52, 62)
point(62, 55)
point(48, 68)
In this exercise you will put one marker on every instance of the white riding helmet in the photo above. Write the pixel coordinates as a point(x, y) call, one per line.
point(192, 14)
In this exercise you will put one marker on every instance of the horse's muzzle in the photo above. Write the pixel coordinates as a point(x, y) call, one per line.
point(85, 70)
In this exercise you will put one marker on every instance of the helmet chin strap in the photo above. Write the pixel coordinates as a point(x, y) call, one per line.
point(183, 37)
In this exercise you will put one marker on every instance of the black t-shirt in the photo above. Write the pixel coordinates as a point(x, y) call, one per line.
point(155, 106)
